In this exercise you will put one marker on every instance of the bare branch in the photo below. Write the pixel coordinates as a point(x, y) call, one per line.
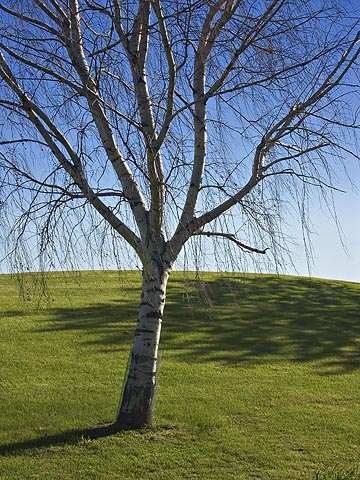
point(123, 171)
point(136, 46)
point(75, 170)
point(172, 76)
point(250, 38)
point(232, 238)
point(30, 20)
point(57, 76)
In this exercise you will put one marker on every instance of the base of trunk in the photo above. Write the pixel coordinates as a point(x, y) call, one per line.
point(129, 424)
point(136, 410)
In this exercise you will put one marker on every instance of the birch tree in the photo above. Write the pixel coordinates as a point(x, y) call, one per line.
point(166, 121)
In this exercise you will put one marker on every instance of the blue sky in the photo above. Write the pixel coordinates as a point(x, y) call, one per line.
point(332, 259)
point(335, 248)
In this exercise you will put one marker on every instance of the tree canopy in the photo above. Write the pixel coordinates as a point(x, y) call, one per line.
point(195, 117)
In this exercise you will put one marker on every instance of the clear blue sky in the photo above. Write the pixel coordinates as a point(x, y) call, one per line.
point(330, 258)
point(335, 256)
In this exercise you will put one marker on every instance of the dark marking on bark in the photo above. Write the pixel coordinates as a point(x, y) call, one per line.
point(140, 331)
point(154, 314)
point(155, 289)
point(146, 303)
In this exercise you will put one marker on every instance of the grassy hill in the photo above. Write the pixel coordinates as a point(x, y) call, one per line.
point(260, 378)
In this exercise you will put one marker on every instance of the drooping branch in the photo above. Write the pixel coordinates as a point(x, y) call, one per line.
point(293, 156)
point(30, 20)
point(196, 224)
point(232, 238)
point(299, 111)
point(44, 186)
point(41, 68)
point(37, 116)
point(50, 134)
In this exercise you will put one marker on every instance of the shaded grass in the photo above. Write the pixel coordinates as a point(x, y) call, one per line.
point(264, 384)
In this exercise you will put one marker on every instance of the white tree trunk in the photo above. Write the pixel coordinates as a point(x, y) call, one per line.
point(138, 396)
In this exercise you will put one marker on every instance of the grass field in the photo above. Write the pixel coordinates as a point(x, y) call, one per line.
point(260, 381)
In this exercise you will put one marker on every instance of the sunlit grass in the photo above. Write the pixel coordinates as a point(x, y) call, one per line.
point(262, 384)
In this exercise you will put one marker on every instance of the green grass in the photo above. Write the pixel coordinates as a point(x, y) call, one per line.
point(338, 474)
point(264, 384)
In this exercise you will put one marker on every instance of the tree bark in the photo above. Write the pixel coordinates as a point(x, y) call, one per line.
point(137, 402)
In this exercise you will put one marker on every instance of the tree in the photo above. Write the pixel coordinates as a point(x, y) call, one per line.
point(166, 121)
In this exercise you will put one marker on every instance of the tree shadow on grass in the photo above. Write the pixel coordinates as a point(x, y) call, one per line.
point(234, 319)
point(107, 326)
point(269, 318)
point(68, 437)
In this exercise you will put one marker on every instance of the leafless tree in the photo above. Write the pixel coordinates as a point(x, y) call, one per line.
point(166, 121)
